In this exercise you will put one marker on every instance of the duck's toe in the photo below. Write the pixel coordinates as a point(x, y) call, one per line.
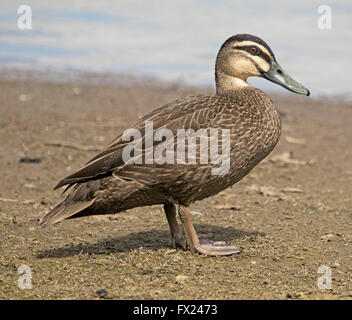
point(216, 248)
point(179, 240)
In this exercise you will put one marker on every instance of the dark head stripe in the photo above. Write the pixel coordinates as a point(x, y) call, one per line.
point(248, 37)
point(259, 53)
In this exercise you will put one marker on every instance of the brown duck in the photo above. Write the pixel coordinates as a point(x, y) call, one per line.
point(144, 167)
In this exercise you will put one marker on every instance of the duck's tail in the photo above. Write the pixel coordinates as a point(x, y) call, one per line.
point(63, 211)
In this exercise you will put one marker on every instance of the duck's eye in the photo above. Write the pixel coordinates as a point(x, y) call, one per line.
point(253, 50)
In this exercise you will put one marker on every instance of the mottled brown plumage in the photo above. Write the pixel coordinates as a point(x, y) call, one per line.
point(107, 184)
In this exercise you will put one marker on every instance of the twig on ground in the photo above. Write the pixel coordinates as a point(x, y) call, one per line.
point(71, 145)
point(8, 200)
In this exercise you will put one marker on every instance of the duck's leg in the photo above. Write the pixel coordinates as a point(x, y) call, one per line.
point(178, 239)
point(208, 247)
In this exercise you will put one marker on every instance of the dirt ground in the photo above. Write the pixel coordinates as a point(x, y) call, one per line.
point(292, 214)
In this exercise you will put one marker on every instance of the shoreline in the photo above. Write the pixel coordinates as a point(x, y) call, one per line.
point(81, 77)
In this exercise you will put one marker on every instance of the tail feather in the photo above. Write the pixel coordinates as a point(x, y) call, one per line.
point(63, 211)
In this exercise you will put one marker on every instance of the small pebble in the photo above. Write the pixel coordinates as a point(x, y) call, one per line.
point(102, 293)
point(327, 237)
point(181, 278)
point(24, 97)
point(29, 185)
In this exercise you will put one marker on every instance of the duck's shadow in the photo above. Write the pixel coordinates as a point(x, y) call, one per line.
point(152, 239)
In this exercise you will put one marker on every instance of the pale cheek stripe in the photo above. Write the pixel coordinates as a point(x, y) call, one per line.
point(258, 61)
point(251, 43)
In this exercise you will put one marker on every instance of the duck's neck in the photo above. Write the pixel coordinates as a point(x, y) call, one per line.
point(226, 84)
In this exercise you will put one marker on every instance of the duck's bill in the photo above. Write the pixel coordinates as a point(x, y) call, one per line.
point(279, 76)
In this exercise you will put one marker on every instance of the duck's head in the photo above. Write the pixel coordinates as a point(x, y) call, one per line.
point(243, 56)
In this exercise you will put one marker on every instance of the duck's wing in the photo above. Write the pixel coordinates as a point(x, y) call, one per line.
point(190, 113)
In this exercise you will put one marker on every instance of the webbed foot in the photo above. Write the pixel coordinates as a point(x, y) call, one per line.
point(208, 247)
point(216, 248)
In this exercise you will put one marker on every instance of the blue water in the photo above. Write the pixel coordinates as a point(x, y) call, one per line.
point(179, 40)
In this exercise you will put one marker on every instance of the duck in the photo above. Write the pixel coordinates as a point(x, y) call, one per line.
point(223, 136)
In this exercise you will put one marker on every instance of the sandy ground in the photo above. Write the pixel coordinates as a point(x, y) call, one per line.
point(292, 213)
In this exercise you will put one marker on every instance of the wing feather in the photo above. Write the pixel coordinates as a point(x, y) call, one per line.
point(189, 113)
